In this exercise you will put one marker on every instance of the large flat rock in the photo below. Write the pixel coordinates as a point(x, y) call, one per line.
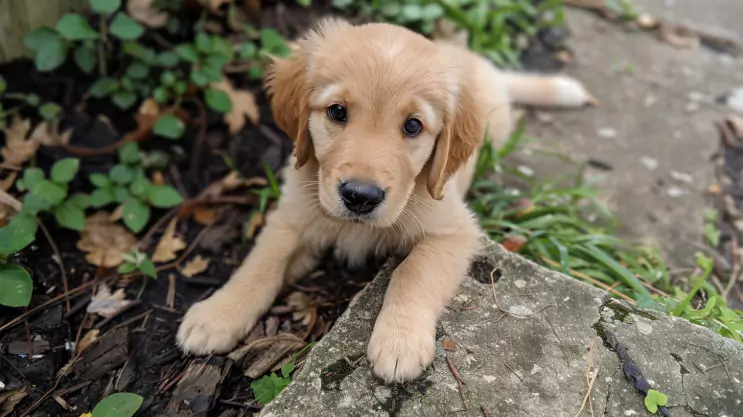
point(533, 364)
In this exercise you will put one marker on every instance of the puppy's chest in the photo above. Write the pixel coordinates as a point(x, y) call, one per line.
point(355, 243)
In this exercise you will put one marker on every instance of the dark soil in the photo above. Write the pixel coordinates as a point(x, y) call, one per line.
point(136, 351)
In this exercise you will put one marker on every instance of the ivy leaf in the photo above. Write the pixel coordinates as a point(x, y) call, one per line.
point(69, 215)
point(203, 42)
point(654, 399)
point(15, 286)
point(140, 187)
point(129, 153)
point(74, 27)
point(101, 197)
point(121, 194)
point(126, 268)
point(33, 99)
point(168, 59)
point(18, 233)
point(105, 6)
point(136, 215)
point(273, 43)
point(287, 369)
point(121, 174)
point(50, 55)
point(164, 196)
point(137, 70)
point(100, 180)
point(120, 404)
point(3, 86)
point(32, 176)
point(104, 87)
point(218, 100)
point(38, 38)
point(50, 111)
point(64, 170)
point(80, 200)
point(126, 28)
point(188, 52)
point(50, 192)
point(85, 58)
point(169, 126)
point(124, 99)
point(248, 50)
point(268, 387)
point(33, 204)
point(147, 267)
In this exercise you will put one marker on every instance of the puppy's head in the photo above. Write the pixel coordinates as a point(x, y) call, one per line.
point(377, 107)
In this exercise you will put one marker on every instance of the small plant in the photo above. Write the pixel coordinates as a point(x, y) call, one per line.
point(120, 404)
point(127, 184)
point(138, 261)
point(710, 230)
point(208, 55)
point(272, 44)
point(270, 386)
point(47, 111)
point(654, 399)
point(16, 286)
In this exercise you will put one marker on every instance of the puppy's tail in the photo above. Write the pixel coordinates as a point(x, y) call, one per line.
point(547, 90)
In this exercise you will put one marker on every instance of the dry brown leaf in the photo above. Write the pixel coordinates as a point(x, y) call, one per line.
point(105, 242)
point(47, 134)
point(448, 344)
point(117, 214)
point(300, 303)
point(9, 399)
point(256, 221)
point(107, 304)
point(18, 149)
point(195, 266)
point(169, 245)
point(678, 36)
point(8, 181)
point(204, 215)
point(243, 105)
point(144, 12)
point(514, 243)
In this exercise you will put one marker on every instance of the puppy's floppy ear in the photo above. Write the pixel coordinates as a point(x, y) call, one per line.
point(461, 136)
point(288, 87)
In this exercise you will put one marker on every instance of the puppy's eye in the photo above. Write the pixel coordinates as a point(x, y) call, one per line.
point(337, 112)
point(412, 127)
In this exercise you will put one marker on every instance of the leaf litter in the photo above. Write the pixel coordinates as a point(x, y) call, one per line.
point(170, 244)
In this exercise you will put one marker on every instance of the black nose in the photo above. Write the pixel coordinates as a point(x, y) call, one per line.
point(360, 197)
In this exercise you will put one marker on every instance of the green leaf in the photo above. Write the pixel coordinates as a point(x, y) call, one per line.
point(712, 234)
point(188, 52)
point(101, 197)
point(85, 58)
point(33, 99)
point(432, 11)
point(16, 286)
point(50, 192)
point(50, 55)
point(140, 187)
point(33, 204)
point(287, 369)
point(304, 3)
point(248, 50)
point(105, 6)
point(129, 153)
point(168, 59)
point(148, 268)
point(32, 176)
point(100, 180)
point(411, 12)
point(124, 99)
point(74, 27)
point(126, 28)
point(80, 200)
point(71, 216)
point(268, 387)
point(221, 47)
point(203, 42)
point(200, 77)
point(167, 78)
point(161, 95)
point(180, 87)
point(218, 100)
point(654, 399)
point(121, 194)
point(141, 52)
point(137, 70)
point(38, 38)
point(121, 174)
point(64, 170)
point(104, 87)
point(50, 111)
point(164, 196)
point(273, 43)
point(120, 404)
point(18, 233)
point(136, 215)
point(3, 86)
point(127, 268)
point(169, 126)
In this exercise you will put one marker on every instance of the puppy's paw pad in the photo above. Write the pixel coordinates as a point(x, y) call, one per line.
point(399, 354)
point(211, 327)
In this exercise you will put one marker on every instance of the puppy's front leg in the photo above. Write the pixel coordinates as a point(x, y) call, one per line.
point(217, 324)
point(403, 341)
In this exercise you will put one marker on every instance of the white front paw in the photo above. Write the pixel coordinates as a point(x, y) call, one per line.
point(401, 348)
point(215, 325)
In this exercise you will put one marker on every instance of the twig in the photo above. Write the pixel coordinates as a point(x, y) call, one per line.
point(514, 372)
point(585, 277)
point(44, 305)
point(484, 413)
point(459, 381)
point(170, 297)
point(132, 320)
point(58, 260)
point(589, 381)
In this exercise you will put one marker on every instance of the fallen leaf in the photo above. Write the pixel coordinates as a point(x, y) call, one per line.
point(204, 215)
point(149, 107)
point(229, 182)
point(87, 340)
point(514, 243)
point(448, 344)
point(117, 214)
point(144, 12)
point(86, 415)
point(18, 149)
point(9, 399)
point(678, 36)
point(47, 134)
point(8, 181)
point(243, 105)
point(256, 221)
point(195, 266)
point(169, 245)
point(300, 303)
point(105, 242)
point(107, 304)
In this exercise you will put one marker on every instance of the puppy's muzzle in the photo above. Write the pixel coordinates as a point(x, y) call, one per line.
point(360, 197)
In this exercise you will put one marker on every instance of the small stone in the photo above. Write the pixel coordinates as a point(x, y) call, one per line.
point(650, 163)
point(645, 21)
point(674, 192)
point(734, 100)
point(525, 170)
point(545, 117)
point(682, 177)
point(520, 311)
point(607, 132)
point(488, 378)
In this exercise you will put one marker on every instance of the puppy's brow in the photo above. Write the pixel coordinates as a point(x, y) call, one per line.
point(328, 94)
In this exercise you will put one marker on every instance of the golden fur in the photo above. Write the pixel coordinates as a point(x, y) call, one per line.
point(382, 74)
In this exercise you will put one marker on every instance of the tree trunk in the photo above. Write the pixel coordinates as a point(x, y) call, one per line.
point(19, 17)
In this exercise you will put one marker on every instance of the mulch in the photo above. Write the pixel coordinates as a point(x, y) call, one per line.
point(135, 350)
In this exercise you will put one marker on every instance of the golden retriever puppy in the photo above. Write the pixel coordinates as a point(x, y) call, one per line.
point(386, 125)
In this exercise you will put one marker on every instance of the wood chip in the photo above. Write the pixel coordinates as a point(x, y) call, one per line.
point(199, 387)
point(106, 354)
